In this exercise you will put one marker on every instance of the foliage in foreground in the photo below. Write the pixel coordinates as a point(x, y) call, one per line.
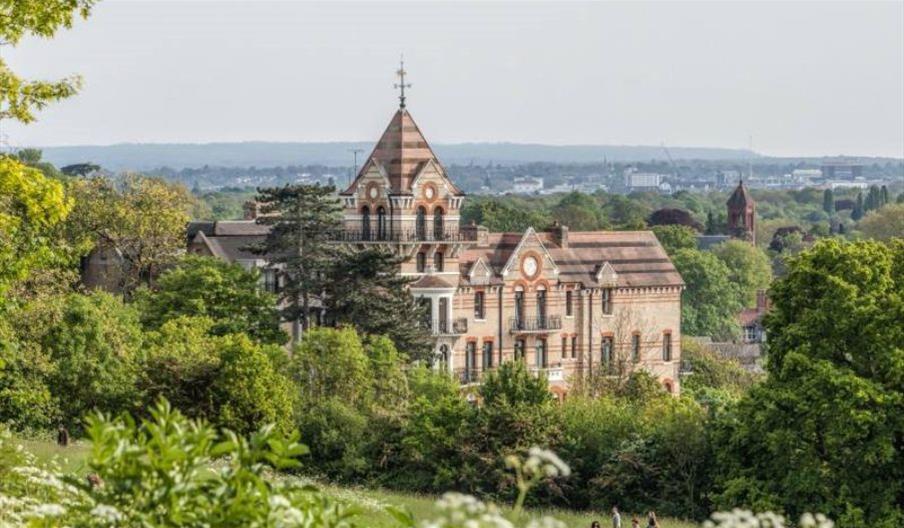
point(169, 471)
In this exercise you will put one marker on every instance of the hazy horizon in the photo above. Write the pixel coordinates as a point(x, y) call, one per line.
point(803, 79)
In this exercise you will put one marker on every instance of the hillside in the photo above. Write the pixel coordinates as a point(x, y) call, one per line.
point(264, 154)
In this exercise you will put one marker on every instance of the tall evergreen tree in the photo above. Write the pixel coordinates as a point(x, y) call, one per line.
point(884, 196)
point(302, 220)
point(873, 199)
point(711, 228)
point(857, 212)
point(828, 202)
point(364, 290)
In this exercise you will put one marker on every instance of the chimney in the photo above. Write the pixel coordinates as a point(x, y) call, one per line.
point(560, 234)
point(249, 209)
point(762, 301)
point(476, 233)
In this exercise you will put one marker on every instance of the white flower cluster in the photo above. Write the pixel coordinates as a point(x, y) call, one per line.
point(457, 510)
point(545, 462)
point(283, 514)
point(738, 518)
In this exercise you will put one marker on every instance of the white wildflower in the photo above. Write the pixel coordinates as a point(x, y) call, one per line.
point(107, 513)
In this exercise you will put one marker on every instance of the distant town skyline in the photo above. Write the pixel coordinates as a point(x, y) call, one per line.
point(798, 79)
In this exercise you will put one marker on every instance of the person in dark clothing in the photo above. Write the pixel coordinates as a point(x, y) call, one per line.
point(62, 437)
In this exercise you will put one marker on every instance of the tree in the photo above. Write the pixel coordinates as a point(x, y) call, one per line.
point(884, 199)
point(93, 342)
point(31, 207)
point(32, 158)
point(858, 211)
point(675, 237)
point(712, 228)
point(20, 98)
point(710, 302)
point(873, 199)
point(142, 218)
point(579, 211)
point(748, 266)
point(365, 290)
point(208, 287)
point(26, 402)
point(828, 202)
point(249, 391)
point(303, 218)
point(671, 216)
point(885, 223)
point(80, 169)
point(332, 362)
point(831, 407)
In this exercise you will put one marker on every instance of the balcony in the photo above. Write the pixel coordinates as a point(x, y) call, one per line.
point(467, 376)
point(551, 373)
point(442, 327)
point(536, 325)
point(412, 236)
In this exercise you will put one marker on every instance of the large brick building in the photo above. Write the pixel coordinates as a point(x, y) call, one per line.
point(567, 303)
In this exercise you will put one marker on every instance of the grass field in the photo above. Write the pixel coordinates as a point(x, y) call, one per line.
point(372, 502)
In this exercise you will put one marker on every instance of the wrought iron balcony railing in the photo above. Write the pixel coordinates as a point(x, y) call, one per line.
point(466, 375)
point(457, 327)
point(409, 236)
point(535, 324)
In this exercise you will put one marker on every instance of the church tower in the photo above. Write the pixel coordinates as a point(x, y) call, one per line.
point(742, 214)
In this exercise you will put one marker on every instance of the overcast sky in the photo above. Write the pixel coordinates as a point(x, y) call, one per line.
point(801, 79)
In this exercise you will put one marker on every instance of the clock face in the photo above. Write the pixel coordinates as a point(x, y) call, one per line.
point(530, 266)
point(429, 192)
point(374, 192)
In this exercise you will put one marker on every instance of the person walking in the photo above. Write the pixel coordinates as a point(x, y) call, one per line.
point(651, 520)
point(616, 518)
point(595, 524)
point(635, 522)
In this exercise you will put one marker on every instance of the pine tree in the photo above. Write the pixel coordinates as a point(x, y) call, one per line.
point(884, 200)
point(364, 289)
point(828, 202)
point(857, 213)
point(711, 227)
point(302, 218)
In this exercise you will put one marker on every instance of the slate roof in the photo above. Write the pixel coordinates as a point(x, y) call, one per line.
point(636, 256)
point(401, 153)
point(228, 239)
point(740, 198)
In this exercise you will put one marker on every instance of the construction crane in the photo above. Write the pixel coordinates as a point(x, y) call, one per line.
point(671, 161)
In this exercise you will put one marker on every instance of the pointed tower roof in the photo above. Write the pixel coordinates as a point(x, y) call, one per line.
point(740, 197)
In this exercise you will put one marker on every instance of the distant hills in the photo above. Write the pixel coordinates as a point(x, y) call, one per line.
point(266, 154)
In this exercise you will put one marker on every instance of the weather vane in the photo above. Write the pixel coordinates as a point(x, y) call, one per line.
point(401, 84)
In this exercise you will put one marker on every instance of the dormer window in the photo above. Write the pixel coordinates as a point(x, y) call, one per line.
point(606, 299)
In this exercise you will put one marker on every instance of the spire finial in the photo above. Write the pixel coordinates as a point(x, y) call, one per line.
point(401, 85)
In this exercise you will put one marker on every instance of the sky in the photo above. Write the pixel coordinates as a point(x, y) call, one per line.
point(790, 79)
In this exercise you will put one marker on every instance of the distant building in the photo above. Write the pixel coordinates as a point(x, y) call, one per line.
point(751, 320)
point(527, 185)
point(643, 180)
point(742, 214)
point(806, 174)
point(842, 168)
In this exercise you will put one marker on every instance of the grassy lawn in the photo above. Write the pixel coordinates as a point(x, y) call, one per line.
point(372, 502)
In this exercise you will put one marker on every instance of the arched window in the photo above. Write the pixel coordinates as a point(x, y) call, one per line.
point(667, 346)
point(421, 262)
point(420, 224)
point(541, 307)
point(381, 223)
point(519, 308)
point(540, 353)
point(365, 223)
point(438, 261)
point(438, 223)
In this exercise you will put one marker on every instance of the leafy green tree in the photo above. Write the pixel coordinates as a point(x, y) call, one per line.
point(25, 398)
point(364, 290)
point(828, 202)
point(32, 158)
point(714, 378)
point(748, 268)
point(31, 207)
point(94, 342)
point(503, 215)
point(248, 391)
point(831, 408)
point(303, 219)
point(579, 212)
point(80, 169)
point(885, 223)
point(209, 287)
point(142, 218)
point(332, 362)
point(710, 302)
point(20, 98)
point(859, 210)
point(675, 237)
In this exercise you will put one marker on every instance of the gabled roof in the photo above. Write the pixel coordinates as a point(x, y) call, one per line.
point(402, 152)
point(530, 234)
point(740, 197)
point(635, 257)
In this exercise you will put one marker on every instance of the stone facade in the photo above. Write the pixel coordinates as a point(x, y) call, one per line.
point(568, 303)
